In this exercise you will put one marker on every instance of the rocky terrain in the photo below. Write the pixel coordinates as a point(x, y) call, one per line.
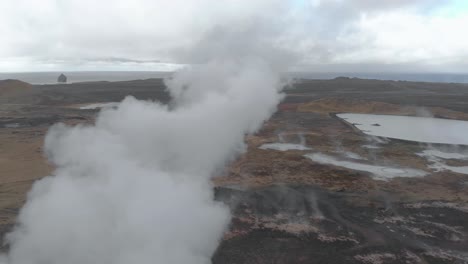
point(286, 206)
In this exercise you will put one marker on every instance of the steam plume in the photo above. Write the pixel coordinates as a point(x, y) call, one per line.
point(135, 187)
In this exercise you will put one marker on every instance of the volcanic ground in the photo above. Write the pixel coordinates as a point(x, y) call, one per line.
point(311, 188)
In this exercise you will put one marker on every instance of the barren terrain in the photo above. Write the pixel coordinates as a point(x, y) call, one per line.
point(288, 208)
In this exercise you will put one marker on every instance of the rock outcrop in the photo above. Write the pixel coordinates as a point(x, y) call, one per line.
point(62, 78)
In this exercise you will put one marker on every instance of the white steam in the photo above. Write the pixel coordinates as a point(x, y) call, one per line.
point(135, 187)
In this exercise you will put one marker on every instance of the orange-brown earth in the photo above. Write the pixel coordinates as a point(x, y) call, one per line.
point(11, 88)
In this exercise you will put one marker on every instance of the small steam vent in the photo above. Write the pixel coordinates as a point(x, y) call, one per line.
point(62, 78)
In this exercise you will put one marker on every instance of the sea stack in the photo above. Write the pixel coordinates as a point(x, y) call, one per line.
point(62, 78)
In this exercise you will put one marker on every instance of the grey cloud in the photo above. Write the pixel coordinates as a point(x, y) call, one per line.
point(141, 32)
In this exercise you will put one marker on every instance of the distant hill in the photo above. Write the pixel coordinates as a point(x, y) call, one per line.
point(13, 87)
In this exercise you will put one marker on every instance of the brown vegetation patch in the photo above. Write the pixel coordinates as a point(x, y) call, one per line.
point(13, 87)
point(339, 105)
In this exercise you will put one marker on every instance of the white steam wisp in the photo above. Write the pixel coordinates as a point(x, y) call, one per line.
point(135, 187)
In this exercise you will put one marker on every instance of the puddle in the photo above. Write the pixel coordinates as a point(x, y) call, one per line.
point(378, 172)
point(419, 129)
point(444, 155)
point(99, 106)
point(284, 146)
point(352, 155)
point(370, 147)
point(12, 125)
point(443, 166)
point(436, 159)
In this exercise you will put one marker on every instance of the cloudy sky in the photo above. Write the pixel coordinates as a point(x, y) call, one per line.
point(321, 35)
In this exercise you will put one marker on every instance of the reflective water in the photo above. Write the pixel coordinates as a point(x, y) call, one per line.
point(420, 129)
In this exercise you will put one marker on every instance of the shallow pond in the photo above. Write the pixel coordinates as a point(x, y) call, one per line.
point(437, 159)
point(378, 172)
point(99, 105)
point(284, 146)
point(419, 129)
